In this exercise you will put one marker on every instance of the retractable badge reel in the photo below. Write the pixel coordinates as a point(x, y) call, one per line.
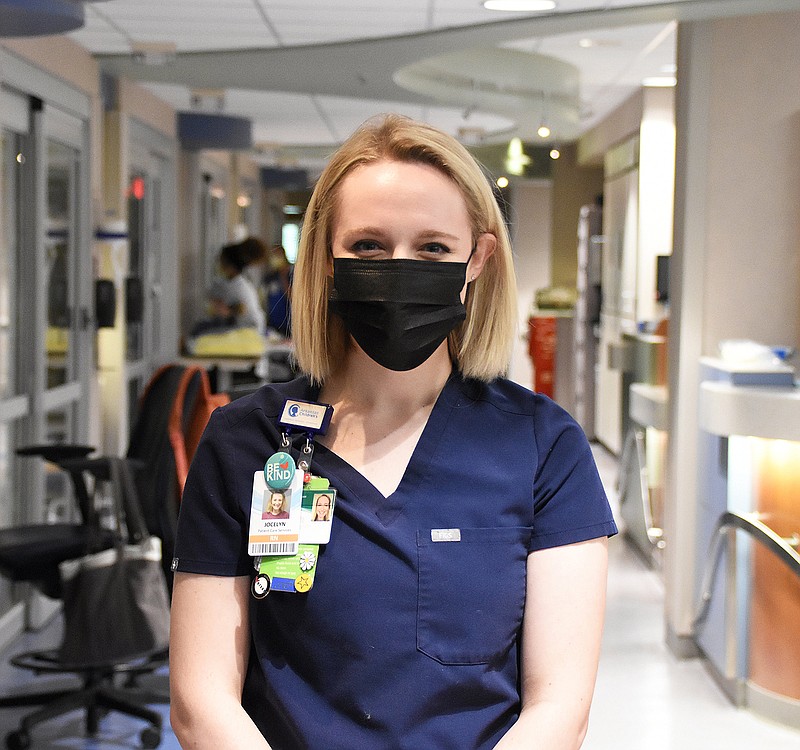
point(291, 509)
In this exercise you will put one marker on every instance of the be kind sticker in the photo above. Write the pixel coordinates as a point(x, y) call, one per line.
point(279, 471)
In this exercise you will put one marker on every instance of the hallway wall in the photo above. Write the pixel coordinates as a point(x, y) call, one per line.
point(736, 253)
point(753, 216)
point(531, 209)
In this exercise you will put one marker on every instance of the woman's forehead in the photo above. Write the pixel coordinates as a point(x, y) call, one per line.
point(372, 191)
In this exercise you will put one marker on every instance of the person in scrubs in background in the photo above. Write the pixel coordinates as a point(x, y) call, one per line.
point(470, 521)
point(233, 299)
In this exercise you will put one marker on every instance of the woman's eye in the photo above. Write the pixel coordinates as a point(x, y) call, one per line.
point(435, 248)
point(365, 247)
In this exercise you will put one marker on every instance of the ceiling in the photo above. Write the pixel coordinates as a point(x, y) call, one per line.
point(307, 72)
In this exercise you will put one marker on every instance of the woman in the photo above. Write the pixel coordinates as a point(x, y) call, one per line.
point(275, 509)
point(322, 508)
point(469, 517)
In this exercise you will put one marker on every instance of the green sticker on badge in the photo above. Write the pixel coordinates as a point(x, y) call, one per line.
point(279, 471)
point(292, 573)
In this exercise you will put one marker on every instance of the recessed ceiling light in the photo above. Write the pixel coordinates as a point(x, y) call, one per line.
point(586, 43)
point(519, 5)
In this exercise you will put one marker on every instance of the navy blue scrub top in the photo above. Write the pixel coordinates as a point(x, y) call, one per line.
point(403, 642)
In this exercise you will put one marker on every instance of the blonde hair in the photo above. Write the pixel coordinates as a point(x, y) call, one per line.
point(481, 345)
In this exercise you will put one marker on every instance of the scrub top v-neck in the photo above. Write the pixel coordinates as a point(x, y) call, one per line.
point(343, 475)
point(409, 637)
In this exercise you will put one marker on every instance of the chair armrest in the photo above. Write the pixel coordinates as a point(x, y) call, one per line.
point(99, 466)
point(56, 452)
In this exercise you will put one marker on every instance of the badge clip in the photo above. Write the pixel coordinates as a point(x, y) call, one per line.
point(310, 417)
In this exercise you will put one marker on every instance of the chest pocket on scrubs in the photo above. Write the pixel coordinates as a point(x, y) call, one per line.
point(471, 594)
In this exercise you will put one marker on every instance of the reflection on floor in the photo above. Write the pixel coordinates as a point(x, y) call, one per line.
point(645, 699)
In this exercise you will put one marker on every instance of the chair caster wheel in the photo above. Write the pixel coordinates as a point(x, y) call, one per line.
point(150, 737)
point(18, 740)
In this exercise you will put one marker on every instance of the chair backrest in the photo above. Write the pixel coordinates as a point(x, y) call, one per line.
point(186, 425)
point(172, 414)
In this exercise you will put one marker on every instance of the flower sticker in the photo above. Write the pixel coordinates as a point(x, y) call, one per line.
point(307, 560)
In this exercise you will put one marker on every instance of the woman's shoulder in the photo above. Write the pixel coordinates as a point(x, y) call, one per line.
point(508, 395)
point(550, 420)
point(267, 400)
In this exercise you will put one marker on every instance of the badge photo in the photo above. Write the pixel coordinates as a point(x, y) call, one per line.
point(317, 515)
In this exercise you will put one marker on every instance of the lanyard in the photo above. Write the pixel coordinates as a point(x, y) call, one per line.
point(291, 509)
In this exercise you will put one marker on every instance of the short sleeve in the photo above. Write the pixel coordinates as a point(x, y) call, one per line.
point(212, 525)
point(570, 504)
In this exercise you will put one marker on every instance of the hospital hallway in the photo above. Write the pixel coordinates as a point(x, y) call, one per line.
point(645, 698)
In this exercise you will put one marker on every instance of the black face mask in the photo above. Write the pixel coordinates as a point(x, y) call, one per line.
point(399, 311)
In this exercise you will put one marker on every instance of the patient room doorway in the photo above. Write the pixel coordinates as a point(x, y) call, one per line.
point(46, 314)
point(151, 315)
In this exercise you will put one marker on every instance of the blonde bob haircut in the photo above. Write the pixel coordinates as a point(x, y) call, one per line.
point(481, 345)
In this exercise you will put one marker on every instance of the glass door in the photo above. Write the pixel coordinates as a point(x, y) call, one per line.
point(214, 223)
point(14, 402)
point(69, 330)
point(59, 254)
point(150, 333)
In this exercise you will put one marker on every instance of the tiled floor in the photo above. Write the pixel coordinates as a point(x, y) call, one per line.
point(645, 699)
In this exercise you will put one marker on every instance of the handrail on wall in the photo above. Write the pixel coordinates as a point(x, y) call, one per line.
point(758, 530)
point(635, 445)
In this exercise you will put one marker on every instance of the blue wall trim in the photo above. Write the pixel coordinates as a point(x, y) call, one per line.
point(199, 130)
point(39, 17)
point(285, 179)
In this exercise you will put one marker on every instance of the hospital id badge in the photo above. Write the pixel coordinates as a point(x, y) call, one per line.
point(275, 517)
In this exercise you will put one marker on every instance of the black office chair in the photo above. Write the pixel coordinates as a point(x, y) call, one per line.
point(33, 552)
point(169, 410)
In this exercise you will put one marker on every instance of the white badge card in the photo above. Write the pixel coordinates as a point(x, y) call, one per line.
point(275, 517)
point(316, 516)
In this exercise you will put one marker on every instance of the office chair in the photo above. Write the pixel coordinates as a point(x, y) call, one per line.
point(172, 412)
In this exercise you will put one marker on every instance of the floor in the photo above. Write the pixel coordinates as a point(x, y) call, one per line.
point(645, 698)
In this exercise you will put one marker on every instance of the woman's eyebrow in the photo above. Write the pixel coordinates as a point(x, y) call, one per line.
point(428, 234)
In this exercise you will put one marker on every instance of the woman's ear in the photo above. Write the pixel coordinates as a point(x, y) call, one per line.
point(485, 246)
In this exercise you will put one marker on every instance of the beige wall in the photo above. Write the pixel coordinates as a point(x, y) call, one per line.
point(573, 186)
point(617, 127)
point(531, 212)
point(61, 57)
point(753, 209)
point(138, 102)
